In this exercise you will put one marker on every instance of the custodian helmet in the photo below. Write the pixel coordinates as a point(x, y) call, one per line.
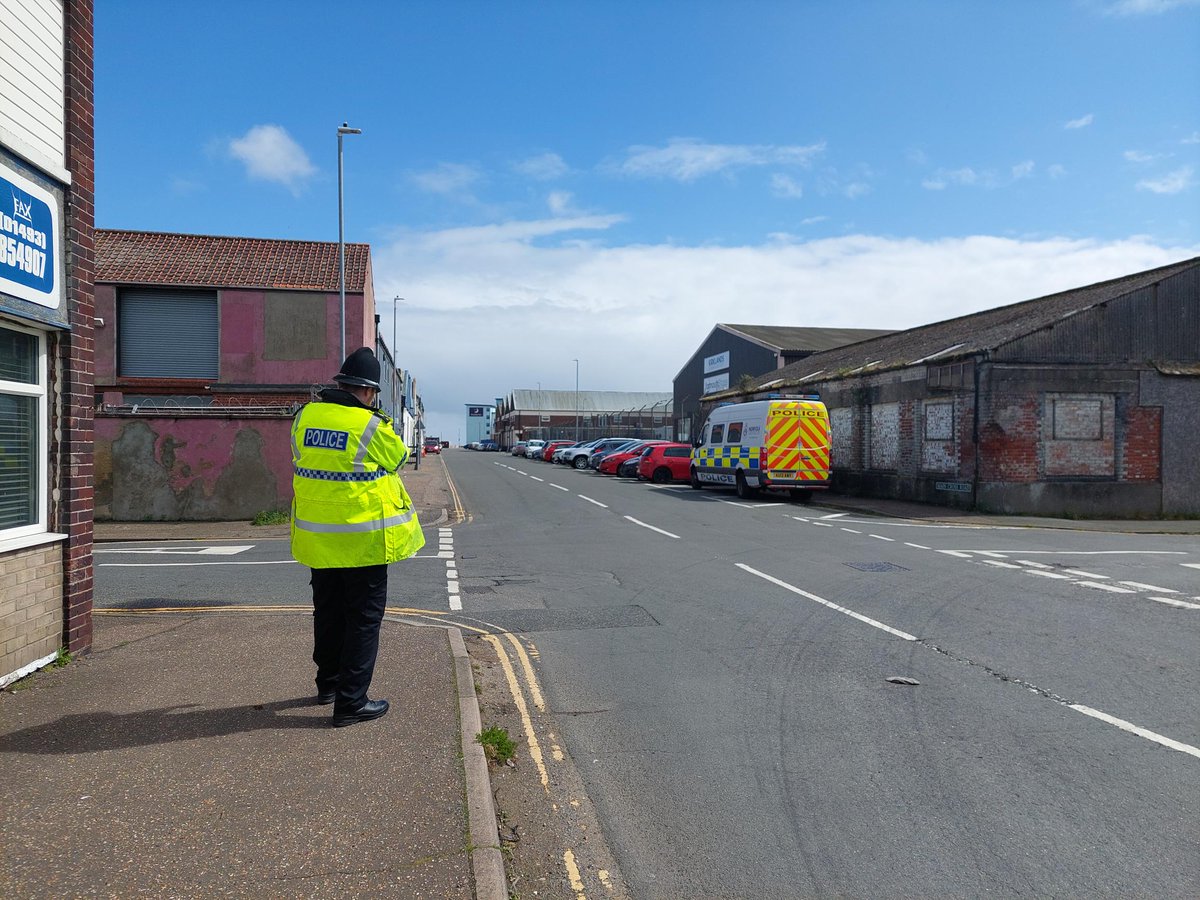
point(361, 368)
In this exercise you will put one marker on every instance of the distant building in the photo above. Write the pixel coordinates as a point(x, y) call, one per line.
point(481, 420)
point(583, 415)
point(1081, 403)
point(46, 322)
point(733, 354)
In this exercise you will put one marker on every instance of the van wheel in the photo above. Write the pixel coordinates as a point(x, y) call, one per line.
point(580, 462)
point(661, 475)
point(801, 495)
point(744, 491)
point(694, 481)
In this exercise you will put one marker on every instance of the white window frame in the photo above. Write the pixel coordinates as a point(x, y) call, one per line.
point(41, 391)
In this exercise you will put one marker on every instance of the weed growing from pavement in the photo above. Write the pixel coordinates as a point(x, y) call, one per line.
point(496, 743)
point(272, 517)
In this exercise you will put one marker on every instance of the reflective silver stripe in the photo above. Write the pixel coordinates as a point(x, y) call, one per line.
point(354, 527)
point(363, 442)
point(295, 441)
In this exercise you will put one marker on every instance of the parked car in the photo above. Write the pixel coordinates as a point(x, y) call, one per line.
point(487, 445)
point(665, 462)
point(570, 454)
point(581, 457)
point(551, 447)
point(433, 445)
point(518, 449)
point(561, 453)
point(533, 448)
point(611, 461)
point(629, 468)
point(601, 452)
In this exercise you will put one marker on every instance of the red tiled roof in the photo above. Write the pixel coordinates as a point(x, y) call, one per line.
point(198, 260)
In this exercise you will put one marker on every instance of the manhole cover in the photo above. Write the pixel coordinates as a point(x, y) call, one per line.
point(876, 567)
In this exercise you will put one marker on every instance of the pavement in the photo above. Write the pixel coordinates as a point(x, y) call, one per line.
point(184, 757)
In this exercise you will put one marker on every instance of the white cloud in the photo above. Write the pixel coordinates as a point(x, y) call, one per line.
point(1081, 122)
point(543, 167)
point(1172, 183)
point(507, 306)
point(447, 178)
point(1022, 170)
point(856, 189)
point(786, 186)
point(965, 177)
point(1139, 156)
point(814, 220)
point(1144, 7)
point(561, 203)
point(270, 154)
point(686, 159)
point(1193, 138)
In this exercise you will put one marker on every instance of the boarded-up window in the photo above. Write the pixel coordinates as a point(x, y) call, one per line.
point(885, 435)
point(293, 325)
point(1078, 431)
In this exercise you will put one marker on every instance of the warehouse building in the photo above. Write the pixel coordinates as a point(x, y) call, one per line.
point(581, 415)
point(1082, 403)
point(733, 355)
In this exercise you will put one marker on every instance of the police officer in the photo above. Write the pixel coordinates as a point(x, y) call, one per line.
point(351, 516)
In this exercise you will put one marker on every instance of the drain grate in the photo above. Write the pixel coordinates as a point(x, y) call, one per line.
point(876, 567)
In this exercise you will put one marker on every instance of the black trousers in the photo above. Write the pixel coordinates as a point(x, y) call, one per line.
point(348, 607)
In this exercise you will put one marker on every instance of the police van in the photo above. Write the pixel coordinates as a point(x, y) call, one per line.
point(777, 444)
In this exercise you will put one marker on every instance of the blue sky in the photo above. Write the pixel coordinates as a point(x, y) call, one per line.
point(607, 180)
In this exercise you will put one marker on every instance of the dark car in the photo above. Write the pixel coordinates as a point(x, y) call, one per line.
point(666, 462)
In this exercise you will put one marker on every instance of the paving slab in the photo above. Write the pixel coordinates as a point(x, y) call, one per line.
point(184, 757)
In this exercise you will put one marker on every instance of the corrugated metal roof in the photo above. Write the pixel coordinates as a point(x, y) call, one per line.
point(967, 335)
point(590, 402)
point(811, 340)
point(198, 260)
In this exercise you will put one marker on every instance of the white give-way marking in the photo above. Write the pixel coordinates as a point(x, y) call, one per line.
point(229, 550)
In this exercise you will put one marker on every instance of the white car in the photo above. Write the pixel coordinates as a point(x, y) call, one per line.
point(533, 448)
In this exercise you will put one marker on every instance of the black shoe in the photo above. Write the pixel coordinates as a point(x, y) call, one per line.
point(372, 709)
point(324, 698)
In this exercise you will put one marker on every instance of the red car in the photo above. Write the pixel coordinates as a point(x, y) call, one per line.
point(612, 462)
point(666, 462)
point(548, 450)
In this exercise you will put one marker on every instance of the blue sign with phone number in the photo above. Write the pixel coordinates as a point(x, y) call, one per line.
point(26, 245)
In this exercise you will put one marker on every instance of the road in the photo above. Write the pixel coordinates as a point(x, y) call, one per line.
point(719, 672)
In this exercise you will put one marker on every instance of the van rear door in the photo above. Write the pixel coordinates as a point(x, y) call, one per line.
point(798, 442)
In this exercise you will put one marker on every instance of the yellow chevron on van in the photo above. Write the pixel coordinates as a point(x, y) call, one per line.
point(778, 444)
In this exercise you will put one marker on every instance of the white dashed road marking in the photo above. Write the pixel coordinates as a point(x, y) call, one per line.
point(652, 528)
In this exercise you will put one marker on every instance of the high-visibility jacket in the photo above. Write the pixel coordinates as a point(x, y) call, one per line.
point(350, 508)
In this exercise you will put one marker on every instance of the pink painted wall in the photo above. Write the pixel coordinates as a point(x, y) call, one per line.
point(181, 468)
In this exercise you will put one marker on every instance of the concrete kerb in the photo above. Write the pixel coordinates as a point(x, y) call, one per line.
point(487, 862)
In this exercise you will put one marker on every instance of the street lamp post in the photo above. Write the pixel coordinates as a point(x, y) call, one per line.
point(577, 401)
point(343, 129)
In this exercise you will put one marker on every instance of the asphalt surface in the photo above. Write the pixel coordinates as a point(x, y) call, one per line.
point(718, 671)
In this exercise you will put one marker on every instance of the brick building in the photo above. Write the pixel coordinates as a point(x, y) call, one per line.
point(205, 348)
point(46, 218)
point(1082, 403)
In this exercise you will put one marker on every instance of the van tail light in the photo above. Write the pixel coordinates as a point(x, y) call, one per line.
point(762, 462)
